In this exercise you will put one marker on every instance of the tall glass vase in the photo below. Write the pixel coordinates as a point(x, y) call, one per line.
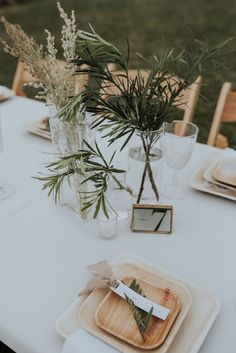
point(144, 167)
point(68, 138)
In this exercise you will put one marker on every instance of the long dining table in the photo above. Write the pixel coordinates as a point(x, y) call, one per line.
point(44, 249)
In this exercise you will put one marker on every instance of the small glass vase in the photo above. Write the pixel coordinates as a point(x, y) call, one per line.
point(68, 138)
point(119, 194)
point(144, 168)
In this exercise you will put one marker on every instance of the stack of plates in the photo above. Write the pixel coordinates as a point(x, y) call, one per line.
point(108, 317)
point(217, 177)
point(40, 128)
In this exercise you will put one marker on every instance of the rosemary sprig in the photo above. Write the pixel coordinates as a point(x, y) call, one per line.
point(93, 167)
point(141, 317)
point(141, 103)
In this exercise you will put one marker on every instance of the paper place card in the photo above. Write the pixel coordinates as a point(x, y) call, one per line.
point(141, 302)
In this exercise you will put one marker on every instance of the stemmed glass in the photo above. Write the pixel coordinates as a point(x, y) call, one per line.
point(5, 190)
point(177, 144)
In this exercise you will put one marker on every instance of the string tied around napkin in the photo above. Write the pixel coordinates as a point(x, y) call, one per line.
point(103, 277)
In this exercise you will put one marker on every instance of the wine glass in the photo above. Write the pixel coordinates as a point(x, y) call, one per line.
point(177, 144)
point(5, 190)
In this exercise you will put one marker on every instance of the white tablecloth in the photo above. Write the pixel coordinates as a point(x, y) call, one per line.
point(44, 250)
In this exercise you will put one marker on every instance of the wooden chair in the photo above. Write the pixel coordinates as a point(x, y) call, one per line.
point(189, 98)
point(225, 112)
point(22, 76)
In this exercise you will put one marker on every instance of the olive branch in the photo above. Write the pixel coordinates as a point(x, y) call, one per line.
point(124, 105)
point(93, 167)
point(141, 317)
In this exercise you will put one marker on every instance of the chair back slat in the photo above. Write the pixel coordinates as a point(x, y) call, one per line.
point(216, 122)
point(229, 113)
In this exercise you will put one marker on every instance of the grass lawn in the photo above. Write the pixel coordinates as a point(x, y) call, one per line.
point(149, 25)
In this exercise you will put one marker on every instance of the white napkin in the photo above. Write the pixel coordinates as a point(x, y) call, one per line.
point(83, 342)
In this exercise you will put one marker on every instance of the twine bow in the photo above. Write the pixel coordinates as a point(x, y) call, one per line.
point(103, 277)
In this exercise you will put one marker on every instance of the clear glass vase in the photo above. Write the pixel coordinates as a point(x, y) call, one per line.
point(144, 168)
point(68, 138)
point(119, 195)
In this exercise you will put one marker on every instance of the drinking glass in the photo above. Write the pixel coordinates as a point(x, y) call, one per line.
point(5, 190)
point(177, 144)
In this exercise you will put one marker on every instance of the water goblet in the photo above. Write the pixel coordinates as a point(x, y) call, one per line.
point(177, 144)
point(5, 190)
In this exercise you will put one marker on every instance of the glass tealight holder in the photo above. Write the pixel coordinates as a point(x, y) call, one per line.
point(107, 227)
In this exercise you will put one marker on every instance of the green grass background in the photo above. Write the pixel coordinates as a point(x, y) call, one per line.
point(149, 25)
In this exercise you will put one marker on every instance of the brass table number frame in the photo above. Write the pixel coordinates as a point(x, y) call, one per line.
point(152, 219)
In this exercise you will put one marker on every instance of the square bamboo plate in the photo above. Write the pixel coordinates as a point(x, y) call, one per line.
point(208, 175)
point(113, 309)
point(89, 306)
point(198, 182)
point(225, 171)
point(199, 320)
point(39, 128)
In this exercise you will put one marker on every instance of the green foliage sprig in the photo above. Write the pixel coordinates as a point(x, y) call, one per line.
point(141, 317)
point(124, 105)
point(140, 103)
point(93, 167)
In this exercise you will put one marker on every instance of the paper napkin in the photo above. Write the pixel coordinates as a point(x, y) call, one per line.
point(83, 342)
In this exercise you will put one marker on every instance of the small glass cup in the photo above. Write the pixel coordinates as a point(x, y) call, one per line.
point(107, 227)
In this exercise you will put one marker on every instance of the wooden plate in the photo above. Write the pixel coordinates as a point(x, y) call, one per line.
point(113, 309)
point(194, 329)
point(225, 171)
point(35, 129)
point(43, 124)
point(208, 175)
point(88, 308)
point(198, 182)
